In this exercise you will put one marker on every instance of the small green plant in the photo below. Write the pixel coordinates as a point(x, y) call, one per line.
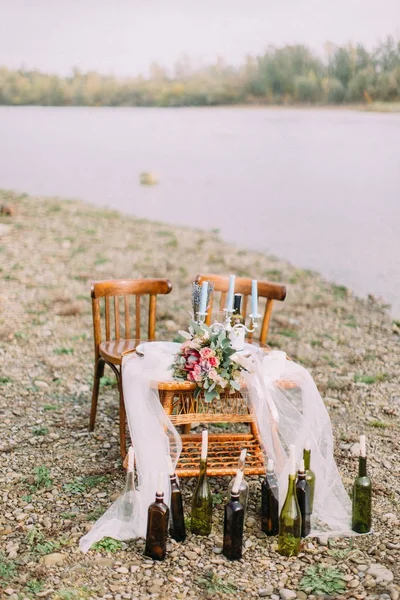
point(322, 580)
point(4, 380)
point(108, 545)
point(63, 350)
point(68, 515)
point(289, 333)
point(73, 594)
point(7, 569)
point(340, 291)
point(27, 498)
point(35, 586)
point(81, 484)
point(214, 585)
point(50, 407)
point(46, 547)
point(101, 260)
point(40, 430)
point(369, 379)
point(107, 381)
point(95, 514)
point(340, 553)
point(42, 478)
point(217, 498)
point(316, 343)
point(379, 424)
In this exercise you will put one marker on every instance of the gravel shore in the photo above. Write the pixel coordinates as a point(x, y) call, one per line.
point(56, 478)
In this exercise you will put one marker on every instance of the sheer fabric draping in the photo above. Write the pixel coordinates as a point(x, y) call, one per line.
point(288, 409)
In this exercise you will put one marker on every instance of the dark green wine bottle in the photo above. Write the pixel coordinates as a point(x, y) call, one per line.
point(177, 526)
point(157, 528)
point(270, 502)
point(237, 318)
point(233, 523)
point(201, 519)
point(303, 498)
point(362, 495)
point(290, 517)
point(310, 475)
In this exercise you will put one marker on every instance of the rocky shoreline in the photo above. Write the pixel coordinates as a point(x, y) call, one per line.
point(56, 478)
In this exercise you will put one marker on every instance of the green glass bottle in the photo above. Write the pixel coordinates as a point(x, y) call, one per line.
point(362, 494)
point(126, 506)
point(303, 498)
point(233, 523)
point(290, 517)
point(177, 527)
point(157, 527)
point(244, 486)
point(202, 504)
point(310, 475)
point(270, 501)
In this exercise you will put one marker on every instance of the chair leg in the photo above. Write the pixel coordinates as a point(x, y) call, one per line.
point(122, 420)
point(98, 374)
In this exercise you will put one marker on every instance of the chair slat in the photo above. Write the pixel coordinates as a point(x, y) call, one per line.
point(152, 317)
point(127, 318)
point(116, 317)
point(137, 315)
point(107, 317)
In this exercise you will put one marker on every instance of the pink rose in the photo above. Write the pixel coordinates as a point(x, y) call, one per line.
point(213, 360)
point(206, 353)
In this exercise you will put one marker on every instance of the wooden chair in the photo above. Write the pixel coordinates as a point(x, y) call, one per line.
point(224, 449)
point(266, 290)
point(108, 348)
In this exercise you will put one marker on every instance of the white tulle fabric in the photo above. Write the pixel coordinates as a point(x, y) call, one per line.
point(286, 413)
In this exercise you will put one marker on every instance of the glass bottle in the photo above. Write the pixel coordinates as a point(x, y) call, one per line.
point(177, 528)
point(290, 517)
point(303, 498)
point(237, 318)
point(157, 527)
point(233, 523)
point(310, 475)
point(126, 507)
point(202, 504)
point(362, 494)
point(244, 486)
point(270, 501)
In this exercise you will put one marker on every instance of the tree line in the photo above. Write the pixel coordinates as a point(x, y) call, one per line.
point(287, 75)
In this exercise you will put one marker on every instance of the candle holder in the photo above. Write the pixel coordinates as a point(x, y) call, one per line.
point(201, 317)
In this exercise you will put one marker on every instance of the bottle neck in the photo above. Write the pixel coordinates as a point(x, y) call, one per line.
point(362, 466)
point(203, 467)
point(292, 482)
point(159, 498)
point(307, 459)
point(301, 476)
point(234, 497)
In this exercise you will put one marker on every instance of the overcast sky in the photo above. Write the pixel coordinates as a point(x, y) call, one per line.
point(124, 36)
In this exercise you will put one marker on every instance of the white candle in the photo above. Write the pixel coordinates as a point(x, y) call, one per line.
point(254, 298)
point(170, 466)
point(270, 465)
point(203, 297)
point(204, 444)
point(302, 468)
point(237, 482)
point(131, 459)
point(231, 291)
point(362, 446)
point(160, 483)
point(292, 459)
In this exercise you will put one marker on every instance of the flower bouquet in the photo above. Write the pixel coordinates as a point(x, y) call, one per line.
point(207, 359)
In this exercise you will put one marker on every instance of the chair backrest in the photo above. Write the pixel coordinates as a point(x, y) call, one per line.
point(266, 290)
point(117, 307)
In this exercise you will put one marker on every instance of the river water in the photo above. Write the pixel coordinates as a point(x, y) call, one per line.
point(318, 187)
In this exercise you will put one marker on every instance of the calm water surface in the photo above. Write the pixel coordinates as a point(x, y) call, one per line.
point(320, 188)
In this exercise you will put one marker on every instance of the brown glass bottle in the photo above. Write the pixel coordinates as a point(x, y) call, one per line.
point(237, 317)
point(157, 528)
point(304, 499)
point(270, 502)
point(233, 528)
point(177, 528)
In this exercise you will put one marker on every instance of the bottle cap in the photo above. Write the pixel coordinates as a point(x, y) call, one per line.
point(307, 445)
point(131, 459)
point(270, 465)
point(292, 459)
point(170, 466)
point(302, 468)
point(204, 444)
point(363, 446)
point(237, 482)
